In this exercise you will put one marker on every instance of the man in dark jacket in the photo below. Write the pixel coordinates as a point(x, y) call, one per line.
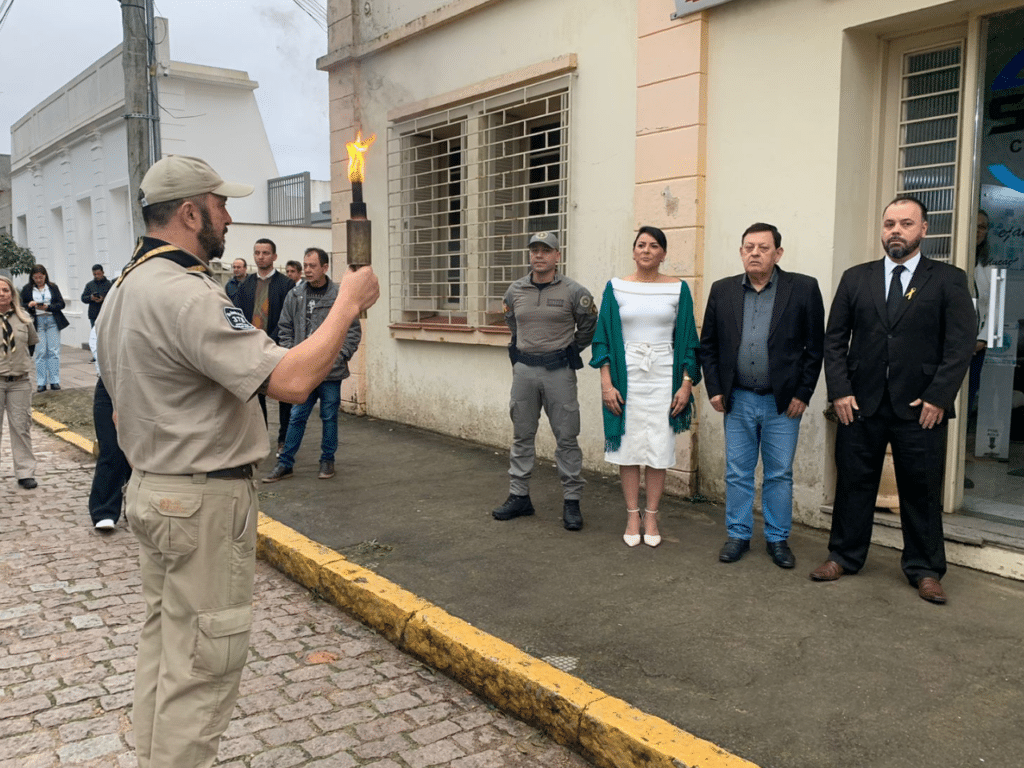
point(95, 291)
point(261, 297)
point(761, 350)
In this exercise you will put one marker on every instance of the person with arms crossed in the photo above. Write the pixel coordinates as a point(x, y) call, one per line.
point(898, 343)
point(182, 366)
point(761, 350)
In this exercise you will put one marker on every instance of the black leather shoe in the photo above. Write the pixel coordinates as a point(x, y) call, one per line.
point(514, 506)
point(280, 473)
point(733, 550)
point(572, 518)
point(28, 483)
point(55, 387)
point(781, 554)
point(40, 389)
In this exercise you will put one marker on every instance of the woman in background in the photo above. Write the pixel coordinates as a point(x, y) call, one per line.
point(17, 338)
point(646, 348)
point(45, 302)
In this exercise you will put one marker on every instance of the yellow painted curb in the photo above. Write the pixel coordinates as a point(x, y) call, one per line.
point(65, 434)
point(533, 690)
point(614, 733)
point(606, 730)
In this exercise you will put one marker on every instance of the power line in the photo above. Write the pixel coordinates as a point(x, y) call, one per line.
point(5, 8)
point(314, 10)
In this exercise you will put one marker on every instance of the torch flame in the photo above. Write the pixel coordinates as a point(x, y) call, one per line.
point(356, 161)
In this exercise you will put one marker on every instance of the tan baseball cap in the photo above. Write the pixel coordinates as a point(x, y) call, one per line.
point(178, 176)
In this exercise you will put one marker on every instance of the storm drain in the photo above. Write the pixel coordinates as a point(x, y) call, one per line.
point(564, 663)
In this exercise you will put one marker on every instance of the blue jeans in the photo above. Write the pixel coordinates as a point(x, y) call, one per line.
point(47, 351)
point(752, 427)
point(329, 394)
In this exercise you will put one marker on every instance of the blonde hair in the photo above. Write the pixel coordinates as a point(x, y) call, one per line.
point(19, 311)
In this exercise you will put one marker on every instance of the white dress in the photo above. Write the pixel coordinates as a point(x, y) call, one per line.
point(648, 314)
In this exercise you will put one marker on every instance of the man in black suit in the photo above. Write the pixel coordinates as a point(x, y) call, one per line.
point(261, 297)
point(898, 343)
point(761, 351)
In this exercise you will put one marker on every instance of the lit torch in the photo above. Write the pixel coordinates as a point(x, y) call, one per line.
point(358, 226)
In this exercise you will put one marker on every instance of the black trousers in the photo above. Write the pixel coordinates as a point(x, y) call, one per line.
point(112, 468)
point(919, 457)
point(284, 413)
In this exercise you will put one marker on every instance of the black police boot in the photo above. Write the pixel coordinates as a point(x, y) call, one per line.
point(572, 518)
point(514, 506)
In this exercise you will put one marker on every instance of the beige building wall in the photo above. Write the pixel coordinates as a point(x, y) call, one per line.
point(794, 138)
point(456, 388)
point(671, 137)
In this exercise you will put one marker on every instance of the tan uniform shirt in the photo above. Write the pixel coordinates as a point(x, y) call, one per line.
point(182, 364)
point(19, 362)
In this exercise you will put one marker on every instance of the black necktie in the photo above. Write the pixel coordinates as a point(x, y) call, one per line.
point(8, 344)
point(895, 292)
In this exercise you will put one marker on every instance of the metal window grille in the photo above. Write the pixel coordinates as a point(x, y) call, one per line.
point(929, 138)
point(467, 187)
point(288, 200)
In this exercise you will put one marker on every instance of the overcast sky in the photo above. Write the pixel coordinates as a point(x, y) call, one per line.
point(44, 45)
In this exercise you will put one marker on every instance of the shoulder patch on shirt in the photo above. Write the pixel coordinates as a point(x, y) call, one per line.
point(236, 319)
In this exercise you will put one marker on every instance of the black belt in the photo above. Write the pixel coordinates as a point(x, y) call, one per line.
point(550, 360)
point(762, 391)
point(243, 472)
point(14, 378)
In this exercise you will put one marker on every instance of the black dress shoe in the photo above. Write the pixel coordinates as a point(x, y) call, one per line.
point(55, 386)
point(781, 554)
point(28, 483)
point(572, 518)
point(514, 506)
point(733, 550)
point(40, 389)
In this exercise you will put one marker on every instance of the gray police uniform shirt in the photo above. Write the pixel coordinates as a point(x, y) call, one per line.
point(549, 319)
point(182, 365)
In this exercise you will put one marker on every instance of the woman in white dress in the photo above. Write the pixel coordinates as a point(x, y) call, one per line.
point(646, 348)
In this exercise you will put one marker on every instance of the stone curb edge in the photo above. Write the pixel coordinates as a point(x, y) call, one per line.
point(604, 729)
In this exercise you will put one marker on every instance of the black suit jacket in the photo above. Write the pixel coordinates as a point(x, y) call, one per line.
point(924, 354)
point(795, 337)
point(245, 299)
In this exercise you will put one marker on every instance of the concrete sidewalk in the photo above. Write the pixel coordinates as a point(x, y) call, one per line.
point(763, 662)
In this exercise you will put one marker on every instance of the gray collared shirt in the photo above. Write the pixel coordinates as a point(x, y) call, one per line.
point(752, 359)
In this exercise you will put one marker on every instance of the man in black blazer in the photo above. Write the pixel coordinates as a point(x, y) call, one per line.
point(897, 347)
point(761, 351)
point(261, 297)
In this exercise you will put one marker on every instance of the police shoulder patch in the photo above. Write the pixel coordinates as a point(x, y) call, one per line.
point(236, 319)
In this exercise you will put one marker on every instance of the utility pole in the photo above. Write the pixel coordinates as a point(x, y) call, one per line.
point(139, 98)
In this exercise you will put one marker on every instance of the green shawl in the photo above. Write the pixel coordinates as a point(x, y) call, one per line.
point(609, 348)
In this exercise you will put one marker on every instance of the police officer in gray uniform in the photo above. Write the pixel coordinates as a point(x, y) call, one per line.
point(552, 319)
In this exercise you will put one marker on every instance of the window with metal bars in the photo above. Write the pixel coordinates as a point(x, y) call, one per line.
point(467, 187)
point(929, 135)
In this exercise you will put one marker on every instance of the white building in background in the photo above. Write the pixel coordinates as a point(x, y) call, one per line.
point(69, 166)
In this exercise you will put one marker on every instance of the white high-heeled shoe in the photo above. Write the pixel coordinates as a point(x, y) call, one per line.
point(650, 540)
point(632, 539)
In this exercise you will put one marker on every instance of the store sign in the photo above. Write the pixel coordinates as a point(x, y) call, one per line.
point(1004, 109)
point(687, 7)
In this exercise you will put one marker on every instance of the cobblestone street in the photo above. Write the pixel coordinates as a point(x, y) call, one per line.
point(319, 688)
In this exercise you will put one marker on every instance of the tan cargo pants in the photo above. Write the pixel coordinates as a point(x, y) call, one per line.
point(197, 550)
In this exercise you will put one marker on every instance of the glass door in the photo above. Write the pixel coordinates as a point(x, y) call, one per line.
point(994, 467)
